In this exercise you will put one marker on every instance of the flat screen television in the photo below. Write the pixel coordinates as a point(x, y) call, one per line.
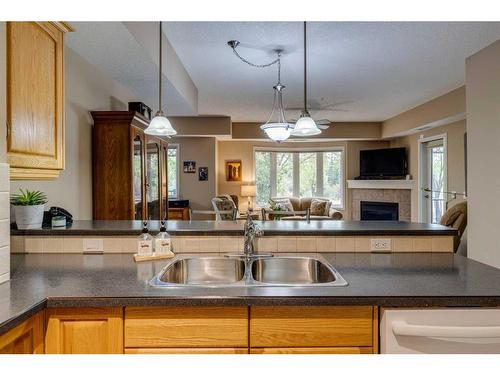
point(390, 162)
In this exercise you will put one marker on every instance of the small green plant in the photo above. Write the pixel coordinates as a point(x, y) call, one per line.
point(28, 198)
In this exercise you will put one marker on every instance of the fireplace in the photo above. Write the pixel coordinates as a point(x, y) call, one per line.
point(388, 211)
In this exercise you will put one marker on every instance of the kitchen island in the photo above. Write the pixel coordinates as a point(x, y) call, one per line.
point(227, 236)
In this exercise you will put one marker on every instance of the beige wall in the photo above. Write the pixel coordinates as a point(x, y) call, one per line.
point(483, 138)
point(455, 156)
point(202, 151)
point(442, 110)
point(243, 150)
point(86, 89)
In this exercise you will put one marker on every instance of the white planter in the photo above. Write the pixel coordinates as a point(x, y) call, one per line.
point(29, 217)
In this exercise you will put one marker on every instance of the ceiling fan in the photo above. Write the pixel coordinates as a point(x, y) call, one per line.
point(317, 106)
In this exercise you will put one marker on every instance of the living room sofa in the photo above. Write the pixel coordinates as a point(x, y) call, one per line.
point(304, 204)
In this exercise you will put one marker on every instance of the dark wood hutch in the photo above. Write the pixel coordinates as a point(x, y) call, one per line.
point(129, 168)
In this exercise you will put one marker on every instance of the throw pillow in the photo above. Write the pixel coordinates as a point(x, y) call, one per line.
point(282, 204)
point(224, 204)
point(318, 207)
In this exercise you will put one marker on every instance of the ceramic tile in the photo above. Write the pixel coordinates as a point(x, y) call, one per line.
point(33, 244)
point(228, 244)
point(191, 245)
point(52, 245)
point(4, 177)
point(4, 259)
point(402, 244)
point(345, 244)
point(5, 205)
point(113, 244)
point(73, 245)
point(17, 244)
point(422, 244)
point(4, 232)
point(306, 244)
point(442, 244)
point(128, 245)
point(177, 244)
point(362, 244)
point(325, 244)
point(267, 244)
point(208, 245)
point(287, 244)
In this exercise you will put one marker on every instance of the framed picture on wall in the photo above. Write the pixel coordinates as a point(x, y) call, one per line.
point(233, 170)
point(189, 166)
point(203, 174)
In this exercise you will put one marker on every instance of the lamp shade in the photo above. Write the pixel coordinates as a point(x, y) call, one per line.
point(248, 191)
point(305, 126)
point(160, 125)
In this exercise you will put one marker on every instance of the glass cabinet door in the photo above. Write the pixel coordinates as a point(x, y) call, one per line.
point(137, 171)
point(153, 179)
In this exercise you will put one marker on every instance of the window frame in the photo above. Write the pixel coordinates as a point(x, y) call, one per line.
point(296, 171)
point(177, 174)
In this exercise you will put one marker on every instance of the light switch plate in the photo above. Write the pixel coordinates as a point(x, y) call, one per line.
point(93, 246)
point(380, 244)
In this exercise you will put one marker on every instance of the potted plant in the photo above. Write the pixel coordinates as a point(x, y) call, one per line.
point(28, 208)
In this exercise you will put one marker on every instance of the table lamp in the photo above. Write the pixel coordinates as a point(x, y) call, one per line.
point(248, 191)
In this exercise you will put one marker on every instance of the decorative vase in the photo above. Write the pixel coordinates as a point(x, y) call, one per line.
point(29, 217)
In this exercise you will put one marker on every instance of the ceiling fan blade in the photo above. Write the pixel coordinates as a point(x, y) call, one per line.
point(323, 122)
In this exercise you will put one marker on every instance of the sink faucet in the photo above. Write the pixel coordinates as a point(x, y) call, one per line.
point(251, 230)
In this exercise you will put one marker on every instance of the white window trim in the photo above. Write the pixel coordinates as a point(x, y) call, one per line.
point(319, 167)
point(177, 174)
point(421, 183)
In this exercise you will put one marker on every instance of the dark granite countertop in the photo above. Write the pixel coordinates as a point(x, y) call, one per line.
point(404, 279)
point(229, 228)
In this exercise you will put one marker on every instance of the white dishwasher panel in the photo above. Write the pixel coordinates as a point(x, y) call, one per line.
point(440, 331)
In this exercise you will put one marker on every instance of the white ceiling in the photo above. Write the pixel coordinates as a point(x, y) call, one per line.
point(376, 70)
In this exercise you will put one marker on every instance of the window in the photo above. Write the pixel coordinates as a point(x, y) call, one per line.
point(173, 170)
point(307, 173)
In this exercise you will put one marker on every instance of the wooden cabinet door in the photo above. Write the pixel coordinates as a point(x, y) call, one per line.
point(186, 351)
point(330, 350)
point(84, 331)
point(26, 338)
point(35, 99)
point(311, 326)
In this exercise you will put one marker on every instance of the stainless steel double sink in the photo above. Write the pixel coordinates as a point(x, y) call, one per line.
point(218, 271)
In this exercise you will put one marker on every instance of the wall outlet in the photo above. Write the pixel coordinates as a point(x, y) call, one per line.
point(93, 246)
point(380, 244)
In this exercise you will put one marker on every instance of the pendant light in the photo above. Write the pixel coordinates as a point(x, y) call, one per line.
point(160, 124)
point(276, 126)
point(305, 125)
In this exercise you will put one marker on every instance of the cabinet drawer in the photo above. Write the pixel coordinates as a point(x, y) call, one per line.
point(337, 350)
point(186, 351)
point(311, 326)
point(185, 327)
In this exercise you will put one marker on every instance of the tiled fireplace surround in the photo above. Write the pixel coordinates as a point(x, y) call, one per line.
point(400, 196)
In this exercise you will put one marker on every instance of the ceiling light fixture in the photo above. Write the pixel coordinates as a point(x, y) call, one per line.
point(305, 125)
point(160, 124)
point(276, 127)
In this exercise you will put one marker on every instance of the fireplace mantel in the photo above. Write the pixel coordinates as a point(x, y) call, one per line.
point(381, 184)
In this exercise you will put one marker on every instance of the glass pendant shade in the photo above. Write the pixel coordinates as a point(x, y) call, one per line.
point(305, 126)
point(276, 127)
point(160, 125)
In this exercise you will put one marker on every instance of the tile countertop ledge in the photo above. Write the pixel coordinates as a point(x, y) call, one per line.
point(396, 280)
point(228, 228)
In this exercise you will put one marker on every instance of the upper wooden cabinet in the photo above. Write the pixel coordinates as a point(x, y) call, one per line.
point(35, 99)
point(129, 168)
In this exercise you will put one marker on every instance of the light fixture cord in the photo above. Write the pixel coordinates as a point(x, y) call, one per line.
point(160, 60)
point(251, 63)
point(305, 66)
